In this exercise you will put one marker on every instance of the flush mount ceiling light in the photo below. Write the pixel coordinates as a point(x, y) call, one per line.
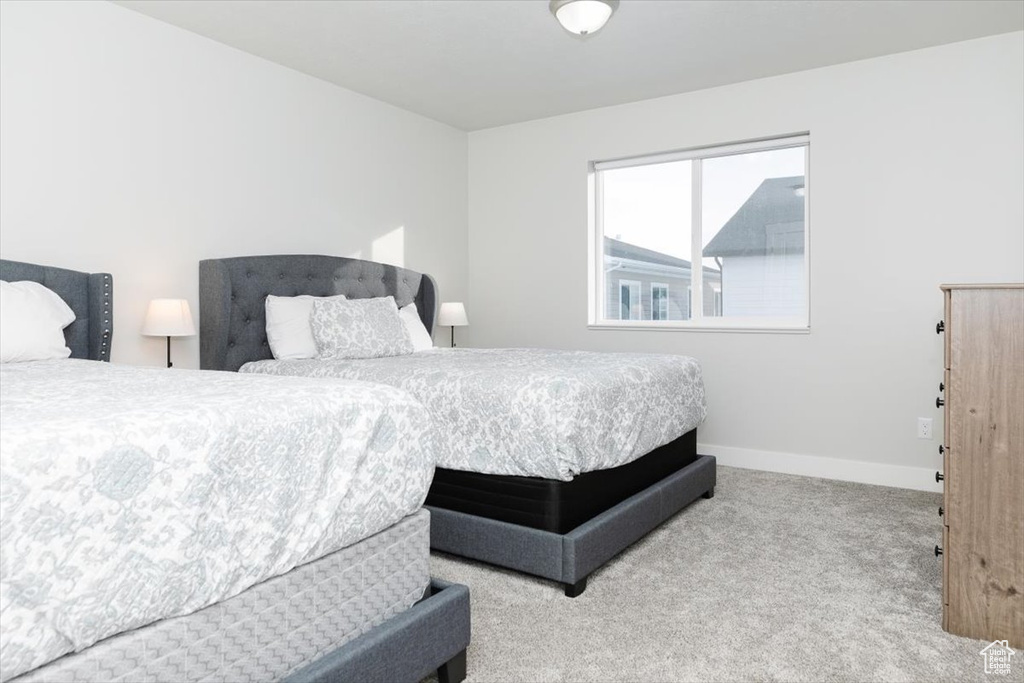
point(583, 17)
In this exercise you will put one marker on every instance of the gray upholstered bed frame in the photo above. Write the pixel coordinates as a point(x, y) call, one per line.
point(570, 558)
point(232, 291)
point(231, 296)
point(90, 296)
point(432, 635)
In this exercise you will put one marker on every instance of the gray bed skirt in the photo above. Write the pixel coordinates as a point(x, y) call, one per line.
point(570, 558)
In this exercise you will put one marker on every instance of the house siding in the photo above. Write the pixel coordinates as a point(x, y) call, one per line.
point(760, 285)
point(678, 299)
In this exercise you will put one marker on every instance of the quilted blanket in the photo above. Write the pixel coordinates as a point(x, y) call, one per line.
point(128, 495)
point(535, 412)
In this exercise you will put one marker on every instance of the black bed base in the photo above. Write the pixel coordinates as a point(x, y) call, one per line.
point(432, 635)
point(557, 506)
point(571, 557)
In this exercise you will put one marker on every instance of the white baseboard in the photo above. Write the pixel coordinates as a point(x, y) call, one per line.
point(881, 474)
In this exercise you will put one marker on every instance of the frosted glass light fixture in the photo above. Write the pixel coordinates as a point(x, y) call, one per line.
point(583, 17)
point(168, 318)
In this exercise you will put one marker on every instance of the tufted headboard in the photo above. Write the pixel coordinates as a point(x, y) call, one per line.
point(90, 296)
point(232, 291)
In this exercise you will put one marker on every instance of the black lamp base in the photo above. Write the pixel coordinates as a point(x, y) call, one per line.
point(169, 352)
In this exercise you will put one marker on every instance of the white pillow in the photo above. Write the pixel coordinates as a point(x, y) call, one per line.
point(288, 331)
point(359, 328)
point(415, 328)
point(32, 322)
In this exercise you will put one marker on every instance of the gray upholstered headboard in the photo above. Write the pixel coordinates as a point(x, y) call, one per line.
point(232, 292)
point(90, 296)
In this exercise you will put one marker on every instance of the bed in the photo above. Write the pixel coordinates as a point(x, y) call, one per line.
point(183, 525)
point(567, 496)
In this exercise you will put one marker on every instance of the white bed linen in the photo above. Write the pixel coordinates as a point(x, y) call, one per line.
point(128, 495)
point(535, 412)
point(32, 322)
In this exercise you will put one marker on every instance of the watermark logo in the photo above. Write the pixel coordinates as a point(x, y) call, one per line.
point(997, 657)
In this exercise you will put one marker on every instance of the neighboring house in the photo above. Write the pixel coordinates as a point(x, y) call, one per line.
point(643, 284)
point(761, 252)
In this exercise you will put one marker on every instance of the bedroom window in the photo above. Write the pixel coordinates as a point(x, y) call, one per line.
point(716, 238)
point(659, 301)
point(629, 300)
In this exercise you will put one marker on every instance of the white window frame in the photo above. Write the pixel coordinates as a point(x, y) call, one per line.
point(659, 285)
point(639, 299)
point(697, 321)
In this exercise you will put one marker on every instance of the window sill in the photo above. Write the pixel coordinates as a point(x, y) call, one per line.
point(683, 327)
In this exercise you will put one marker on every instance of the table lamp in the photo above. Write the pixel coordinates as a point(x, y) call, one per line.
point(453, 314)
point(168, 318)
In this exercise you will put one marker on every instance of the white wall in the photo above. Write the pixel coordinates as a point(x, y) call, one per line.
point(132, 146)
point(916, 177)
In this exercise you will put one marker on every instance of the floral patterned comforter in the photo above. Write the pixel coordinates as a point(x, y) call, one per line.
point(129, 495)
point(535, 412)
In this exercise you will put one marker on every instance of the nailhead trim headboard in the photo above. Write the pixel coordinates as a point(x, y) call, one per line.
point(90, 296)
point(232, 293)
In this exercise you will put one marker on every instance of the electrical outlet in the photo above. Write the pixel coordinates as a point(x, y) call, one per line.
point(924, 428)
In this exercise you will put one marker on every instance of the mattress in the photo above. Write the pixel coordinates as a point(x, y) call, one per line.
point(535, 412)
point(129, 495)
point(273, 628)
point(557, 506)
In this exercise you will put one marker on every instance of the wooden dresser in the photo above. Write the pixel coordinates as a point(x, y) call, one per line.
point(983, 449)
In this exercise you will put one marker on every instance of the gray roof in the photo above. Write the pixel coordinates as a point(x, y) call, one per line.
point(770, 221)
point(619, 249)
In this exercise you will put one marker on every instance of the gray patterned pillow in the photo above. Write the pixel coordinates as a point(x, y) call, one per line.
point(359, 328)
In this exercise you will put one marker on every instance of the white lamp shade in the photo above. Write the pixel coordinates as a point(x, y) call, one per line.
point(453, 314)
point(583, 17)
point(168, 318)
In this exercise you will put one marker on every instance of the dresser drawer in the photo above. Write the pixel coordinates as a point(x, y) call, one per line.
point(945, 572)
point(983, 462)
point(946, 452)
point(948, 322)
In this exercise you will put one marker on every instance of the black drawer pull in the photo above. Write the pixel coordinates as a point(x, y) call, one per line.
point(942, 449)
point(941, 511)
point(938, 551)
point(940, 327)
point(942, 386)
point(939, 402)
point(939, 476)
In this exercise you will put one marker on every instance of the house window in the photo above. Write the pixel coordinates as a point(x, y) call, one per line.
point(717, 235)
point(659, 301)
point(629, 300)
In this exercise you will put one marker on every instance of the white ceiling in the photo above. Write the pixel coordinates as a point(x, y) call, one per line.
point(480, 63)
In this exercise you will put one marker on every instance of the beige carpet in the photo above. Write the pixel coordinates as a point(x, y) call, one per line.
point(778, 578)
